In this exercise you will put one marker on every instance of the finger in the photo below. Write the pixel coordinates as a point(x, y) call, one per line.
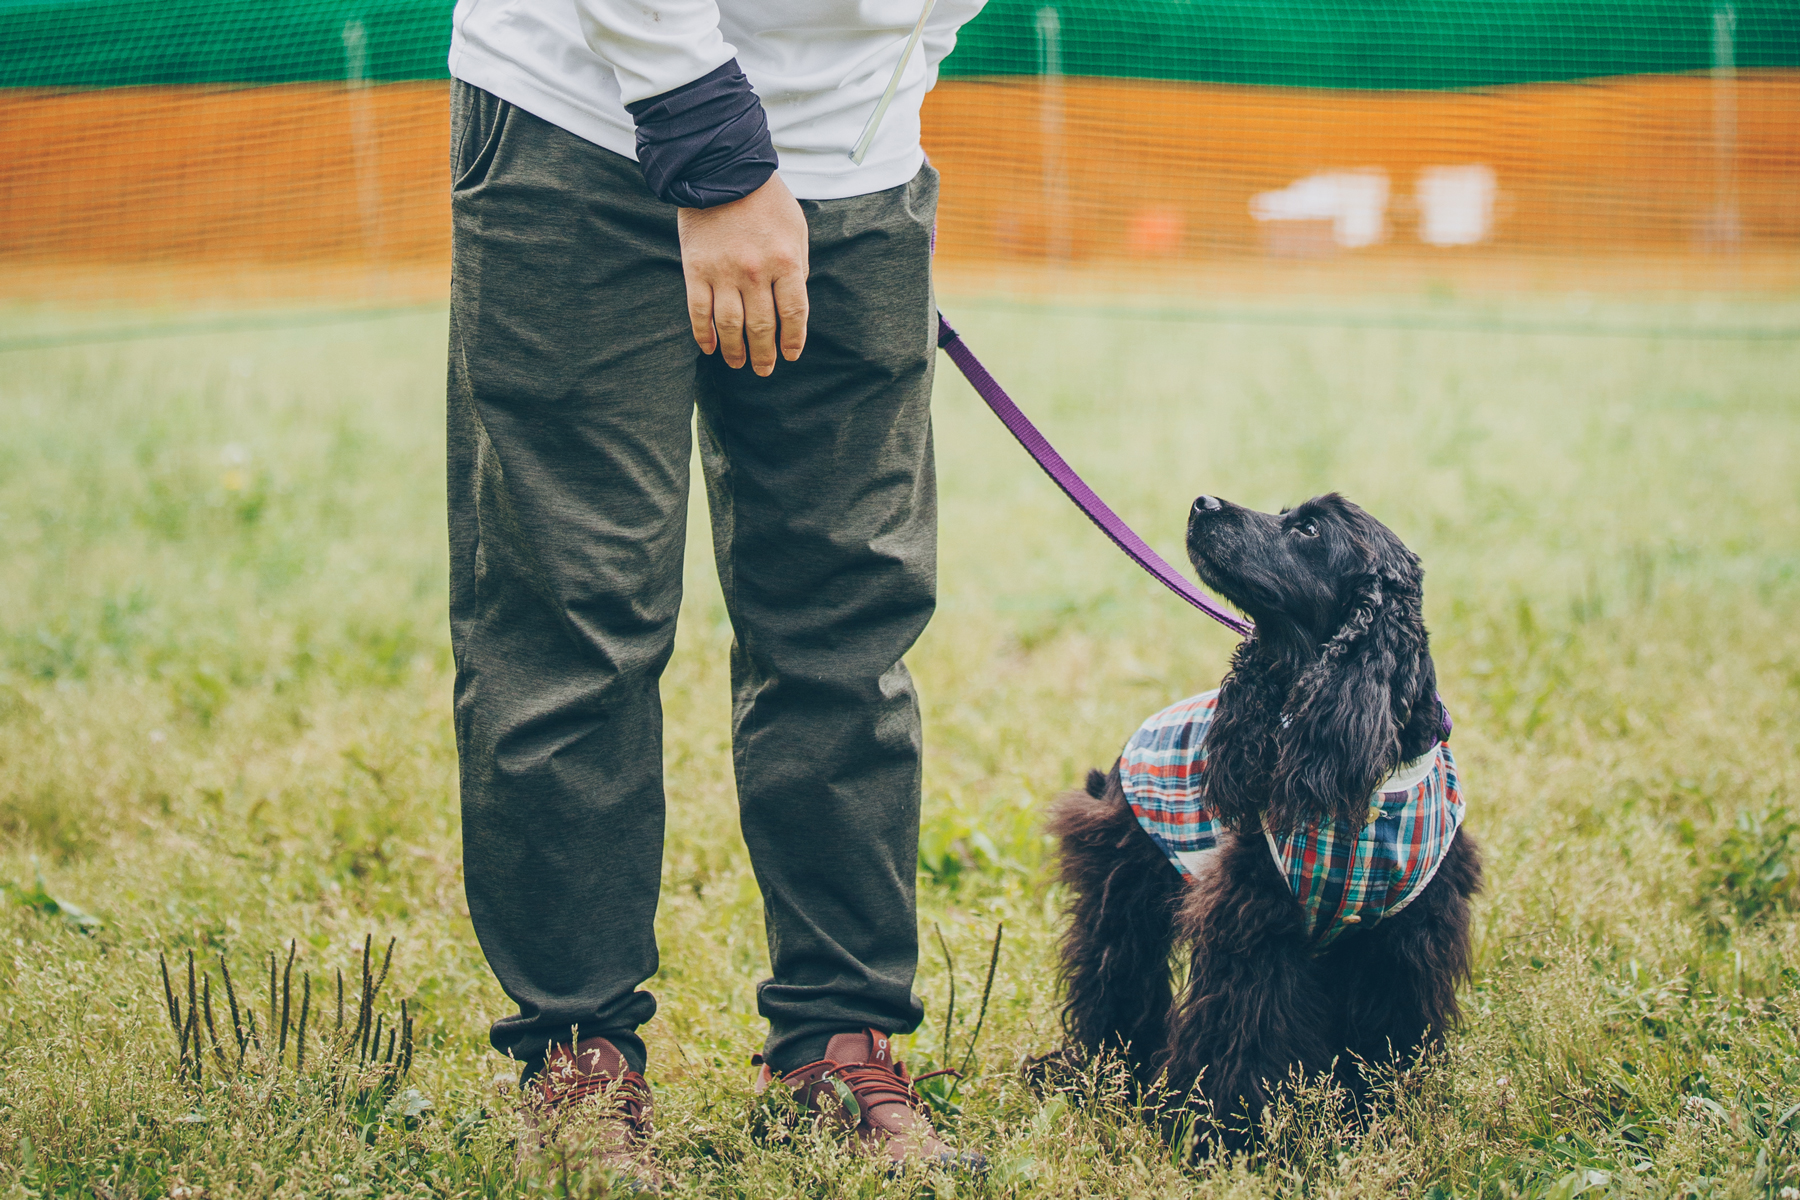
point(700, 314)
point(759, 328)
point(728, 319)
point(791, 307)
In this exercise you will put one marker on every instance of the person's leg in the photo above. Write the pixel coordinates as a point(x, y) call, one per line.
point(572, 383)
point(825, 528)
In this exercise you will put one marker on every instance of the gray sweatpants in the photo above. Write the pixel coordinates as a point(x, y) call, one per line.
point(574, 381)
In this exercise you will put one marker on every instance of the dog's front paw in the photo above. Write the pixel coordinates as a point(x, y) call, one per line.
point(1058, 1071)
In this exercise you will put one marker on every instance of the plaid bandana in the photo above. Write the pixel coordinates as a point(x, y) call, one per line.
point(1342, 877)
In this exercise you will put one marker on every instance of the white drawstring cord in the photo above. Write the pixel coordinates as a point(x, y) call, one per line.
point(868, 134)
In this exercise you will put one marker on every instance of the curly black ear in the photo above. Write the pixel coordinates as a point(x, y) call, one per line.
point(1350, 717)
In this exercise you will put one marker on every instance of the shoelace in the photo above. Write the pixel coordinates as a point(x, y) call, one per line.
point(630, 1091)
point(873, 1084)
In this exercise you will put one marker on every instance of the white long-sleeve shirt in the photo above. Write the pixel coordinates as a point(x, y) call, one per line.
point(820, 67)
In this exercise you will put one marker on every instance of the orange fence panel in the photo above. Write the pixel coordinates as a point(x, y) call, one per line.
point(323, 187)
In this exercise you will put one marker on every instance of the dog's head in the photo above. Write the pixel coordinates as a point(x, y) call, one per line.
point(1336, 686)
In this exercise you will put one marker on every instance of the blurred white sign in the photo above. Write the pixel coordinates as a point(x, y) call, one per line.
point(1456, 205)
point(1355, 202)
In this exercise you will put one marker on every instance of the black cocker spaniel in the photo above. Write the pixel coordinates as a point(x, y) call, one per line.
point(1295, 837)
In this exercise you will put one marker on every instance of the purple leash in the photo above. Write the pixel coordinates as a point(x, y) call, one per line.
point(1091, 505)
point(1064, 476)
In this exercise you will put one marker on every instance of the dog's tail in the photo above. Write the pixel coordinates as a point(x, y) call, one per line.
point(1121, 916)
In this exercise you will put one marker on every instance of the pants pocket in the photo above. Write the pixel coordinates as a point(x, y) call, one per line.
point(477, 119)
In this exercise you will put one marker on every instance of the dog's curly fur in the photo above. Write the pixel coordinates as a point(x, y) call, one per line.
point(1333, 690)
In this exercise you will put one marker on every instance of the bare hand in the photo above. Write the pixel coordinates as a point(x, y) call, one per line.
point(745, 264)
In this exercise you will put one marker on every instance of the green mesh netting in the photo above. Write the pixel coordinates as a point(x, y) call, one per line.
point(120, 43)
point(1396, 44)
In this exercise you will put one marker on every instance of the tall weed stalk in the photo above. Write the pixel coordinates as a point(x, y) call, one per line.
point(347, 1064)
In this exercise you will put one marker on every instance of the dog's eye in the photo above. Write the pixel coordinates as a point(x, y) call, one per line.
point(1307, 529)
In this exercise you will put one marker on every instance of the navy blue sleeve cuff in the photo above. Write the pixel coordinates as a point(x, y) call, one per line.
point(705, 143)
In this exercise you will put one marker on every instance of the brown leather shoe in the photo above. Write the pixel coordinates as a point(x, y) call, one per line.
point(587, 1101)
point(860, 1088)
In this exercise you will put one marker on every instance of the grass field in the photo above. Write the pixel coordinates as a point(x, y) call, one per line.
point(224, 681)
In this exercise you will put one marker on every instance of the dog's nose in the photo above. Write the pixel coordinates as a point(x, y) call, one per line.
point(1207, 504)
